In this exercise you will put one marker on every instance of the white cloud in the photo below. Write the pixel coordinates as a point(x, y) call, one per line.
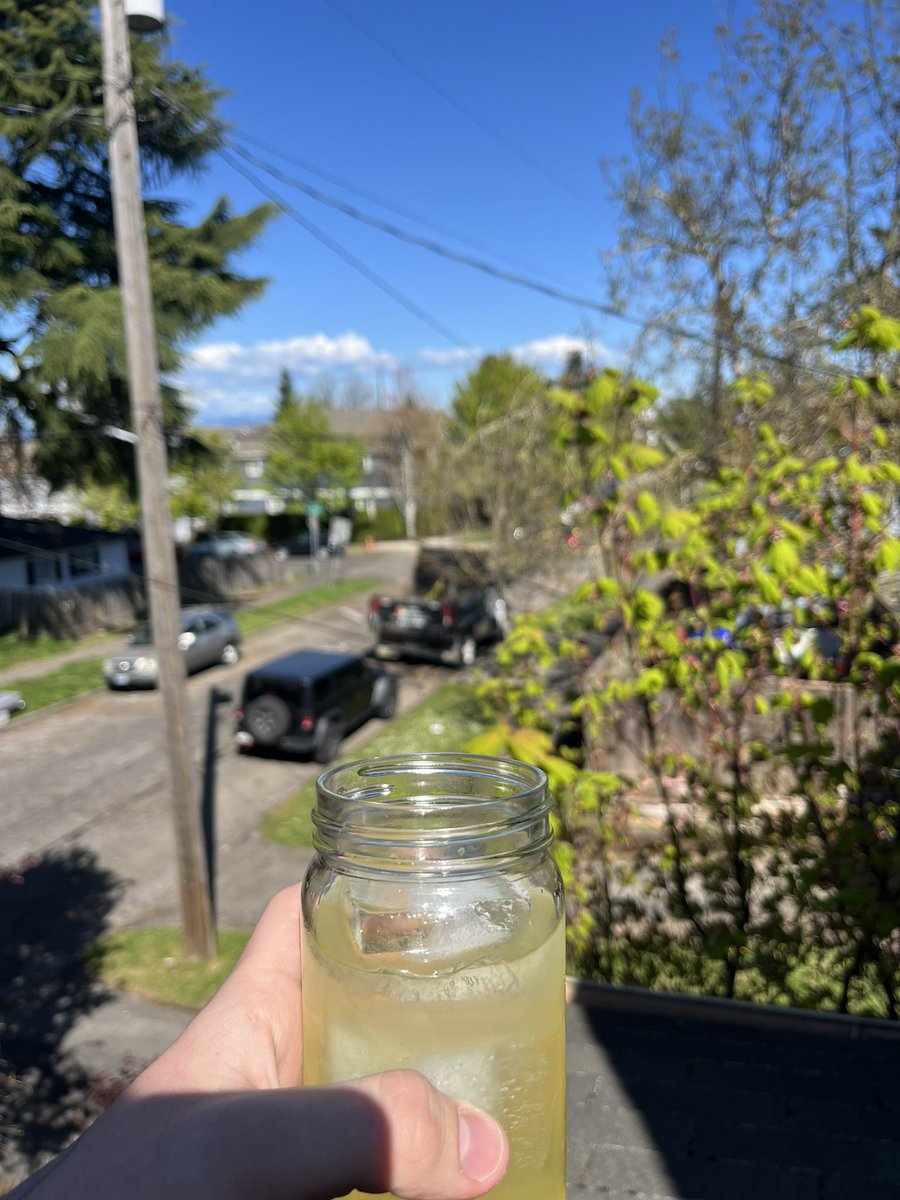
point(558, 347)
point(228, 382)
point(308, 354)
point(225, 406)
point(448, 358)
point(217, 356)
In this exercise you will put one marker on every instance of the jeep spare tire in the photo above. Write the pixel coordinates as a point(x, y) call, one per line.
point(328, 744)
point(268, 719)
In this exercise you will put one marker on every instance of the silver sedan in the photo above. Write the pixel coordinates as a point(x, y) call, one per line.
point(208, 636)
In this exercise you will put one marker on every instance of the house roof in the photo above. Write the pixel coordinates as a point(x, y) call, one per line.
point(368, 424)
point(22, 537)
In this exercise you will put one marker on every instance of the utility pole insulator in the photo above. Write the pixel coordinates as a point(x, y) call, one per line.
point(160, 571)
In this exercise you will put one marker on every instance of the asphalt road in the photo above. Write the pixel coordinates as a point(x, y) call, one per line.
point(94, 775)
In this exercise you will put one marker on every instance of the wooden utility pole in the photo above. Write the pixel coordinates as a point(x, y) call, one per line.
point(160, 572)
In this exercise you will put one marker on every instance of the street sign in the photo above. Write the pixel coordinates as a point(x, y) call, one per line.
point(315, 509)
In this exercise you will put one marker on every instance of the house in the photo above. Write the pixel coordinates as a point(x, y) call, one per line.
point(248, 444)
point(66, 580)
point(375, 429)
point(47, 555)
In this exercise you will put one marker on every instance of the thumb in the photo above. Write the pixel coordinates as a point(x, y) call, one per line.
point(392, 1132)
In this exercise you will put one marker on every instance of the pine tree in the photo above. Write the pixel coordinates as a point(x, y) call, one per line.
point(286, 393)
point(62, 354)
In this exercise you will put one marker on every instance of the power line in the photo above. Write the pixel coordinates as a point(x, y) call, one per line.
point(483, 266)
point(375, 198)
point(336, 248)
point(325, 239)
point(450, 99)
point(517, 280)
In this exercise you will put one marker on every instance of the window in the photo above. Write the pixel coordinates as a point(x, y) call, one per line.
point(85, 561)
point(253, 470)
point(40, 571)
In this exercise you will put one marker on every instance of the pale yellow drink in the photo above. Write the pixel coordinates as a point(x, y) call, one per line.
point(434, 940)
point(490, 1032)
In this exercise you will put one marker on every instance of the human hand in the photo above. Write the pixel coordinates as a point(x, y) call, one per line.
point(219, 1113)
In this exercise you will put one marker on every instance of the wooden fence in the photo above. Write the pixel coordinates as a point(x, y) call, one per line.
point(114, 603)
point(72, 612)
point(206, 579)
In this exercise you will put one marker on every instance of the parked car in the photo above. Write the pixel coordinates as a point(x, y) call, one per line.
point(456, 606)
point(300, 546)
point(208, 636)
point(229, 543)
point(307, 702)
point(10, 702)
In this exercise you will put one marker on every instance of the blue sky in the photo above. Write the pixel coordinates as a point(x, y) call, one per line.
point(501, 147)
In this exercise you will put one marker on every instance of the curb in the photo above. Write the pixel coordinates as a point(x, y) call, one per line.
point(49, 709)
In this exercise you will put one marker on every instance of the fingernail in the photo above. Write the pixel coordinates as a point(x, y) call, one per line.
point(481, 1144)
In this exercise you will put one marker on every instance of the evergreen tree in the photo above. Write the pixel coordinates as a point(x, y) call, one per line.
point(286, 394)
point(62, 354)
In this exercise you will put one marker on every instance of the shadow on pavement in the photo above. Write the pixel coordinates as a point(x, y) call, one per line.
point(208, 787)
point(52, 911)
point(703, 1100)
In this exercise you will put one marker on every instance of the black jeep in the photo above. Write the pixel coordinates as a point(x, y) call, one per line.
point(306, 702)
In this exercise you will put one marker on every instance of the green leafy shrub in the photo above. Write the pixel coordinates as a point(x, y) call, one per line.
point(731, 824)
point(386, 525)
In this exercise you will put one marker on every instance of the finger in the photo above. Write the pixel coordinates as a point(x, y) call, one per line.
point(274, 944)
point(392, 1132)
point(248, 1036)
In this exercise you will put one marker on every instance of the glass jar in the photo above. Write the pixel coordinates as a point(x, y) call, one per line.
point(435, 939)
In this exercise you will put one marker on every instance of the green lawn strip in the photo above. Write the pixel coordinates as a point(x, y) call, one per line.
point(73, 679)
point(152, 963)
point(260, 616)
point(448, 720)
point(15, 650)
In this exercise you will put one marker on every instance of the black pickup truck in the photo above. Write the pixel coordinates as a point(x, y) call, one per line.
point(457, 606)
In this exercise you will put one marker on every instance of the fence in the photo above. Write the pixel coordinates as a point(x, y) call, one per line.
point(72, 612)
point(206, 579)
point(113, 603)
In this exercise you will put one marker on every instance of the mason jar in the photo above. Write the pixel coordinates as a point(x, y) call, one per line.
point(435, 940)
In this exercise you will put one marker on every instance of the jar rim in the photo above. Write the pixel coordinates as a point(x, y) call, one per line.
point(498, 810)
point(533, 779)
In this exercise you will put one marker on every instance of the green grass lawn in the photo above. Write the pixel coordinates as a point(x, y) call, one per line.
point(15, 650)
point(73, 679)
point(152, 963)
point(448, 720)
point(261, 616)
